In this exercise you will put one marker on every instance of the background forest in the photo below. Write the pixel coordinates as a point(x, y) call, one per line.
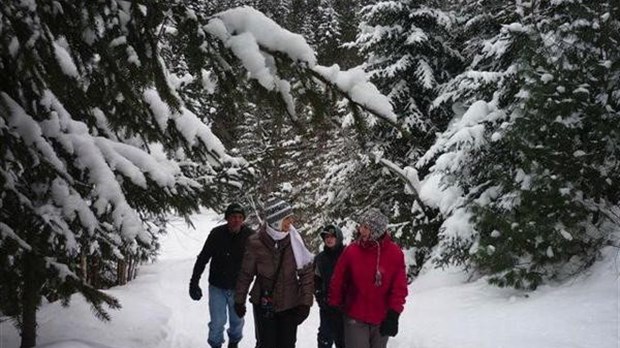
point(500, 153)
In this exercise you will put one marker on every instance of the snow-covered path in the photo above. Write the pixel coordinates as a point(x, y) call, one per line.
point(442, 311)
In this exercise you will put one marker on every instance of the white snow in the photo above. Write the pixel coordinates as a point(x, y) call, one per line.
point(443, 309)
point(267, 33)
point(546, 78)
point(161, 110)
point(355, 83)
point(64, 58)
point(254, 38)
point(7, 232)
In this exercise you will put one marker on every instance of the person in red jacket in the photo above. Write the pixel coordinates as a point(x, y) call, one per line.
point(369, 284)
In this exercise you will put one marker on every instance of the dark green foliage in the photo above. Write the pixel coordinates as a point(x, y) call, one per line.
point(407, 47)
point(542, 191)
point(76, 128)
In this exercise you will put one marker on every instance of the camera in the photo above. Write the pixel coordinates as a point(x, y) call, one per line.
point(266, 304)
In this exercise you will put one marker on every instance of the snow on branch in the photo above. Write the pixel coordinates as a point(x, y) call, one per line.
point(408, 174)
point(463, 133)
point(7, 232)
point(62, 269)
point(196, 131)
point(254, 39)
point(29, 130)
point(74, 136)
point(412, 182)
point(265, 31)
point(355, 85)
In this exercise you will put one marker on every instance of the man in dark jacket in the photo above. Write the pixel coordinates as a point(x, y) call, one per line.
point(331, 330)
point(225, 247)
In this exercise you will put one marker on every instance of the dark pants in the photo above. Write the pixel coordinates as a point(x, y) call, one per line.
point(331, 329)
point(256, 312)
point(280, 331)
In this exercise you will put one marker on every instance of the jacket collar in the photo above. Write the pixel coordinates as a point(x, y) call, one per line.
point(266, 239)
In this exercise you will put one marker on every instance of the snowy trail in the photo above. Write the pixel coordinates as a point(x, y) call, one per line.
point(441, 312)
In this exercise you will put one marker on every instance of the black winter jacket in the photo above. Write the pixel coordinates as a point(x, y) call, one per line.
point(324, 264)
point(225, 250)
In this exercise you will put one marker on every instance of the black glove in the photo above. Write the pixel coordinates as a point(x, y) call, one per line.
point(389, 326)
point(194, 291)
point(240, 309)
point(301, 313)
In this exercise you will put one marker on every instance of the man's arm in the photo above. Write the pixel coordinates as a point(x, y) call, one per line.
point(203, 258)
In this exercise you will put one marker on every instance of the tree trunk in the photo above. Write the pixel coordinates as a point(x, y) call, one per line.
point(84, 267)
point(93, 272)
point(30, 301)
point(121, 272)
point(131, 269)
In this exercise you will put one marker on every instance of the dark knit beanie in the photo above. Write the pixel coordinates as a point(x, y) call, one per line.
point(376, 222)
point(275, 211)
point(234, 208)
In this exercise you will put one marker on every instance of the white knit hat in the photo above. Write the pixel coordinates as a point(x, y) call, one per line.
point(376, 222)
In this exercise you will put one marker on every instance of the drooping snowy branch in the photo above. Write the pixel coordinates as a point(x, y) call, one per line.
point(409, 176)
point(254, 39)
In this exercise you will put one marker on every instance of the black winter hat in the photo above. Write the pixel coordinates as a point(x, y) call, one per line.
point(234, 208)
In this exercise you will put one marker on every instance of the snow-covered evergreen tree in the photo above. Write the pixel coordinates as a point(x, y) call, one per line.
point(327, 32)
point(408, 53)
point(535, 167)
point(97, 143)
point(96, 149)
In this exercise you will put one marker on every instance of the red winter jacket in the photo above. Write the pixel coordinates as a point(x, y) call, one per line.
point(353, 288)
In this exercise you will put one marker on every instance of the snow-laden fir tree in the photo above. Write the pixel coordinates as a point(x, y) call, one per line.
point(98, 144)
point(536, 164)
point(327, 32)
point(408, 53)
point(96, 149)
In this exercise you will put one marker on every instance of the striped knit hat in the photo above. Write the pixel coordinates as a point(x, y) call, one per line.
point(275, 211)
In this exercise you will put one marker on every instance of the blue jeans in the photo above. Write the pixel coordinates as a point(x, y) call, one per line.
point(221, 306)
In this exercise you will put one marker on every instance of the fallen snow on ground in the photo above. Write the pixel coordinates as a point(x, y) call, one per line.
point(443, 310)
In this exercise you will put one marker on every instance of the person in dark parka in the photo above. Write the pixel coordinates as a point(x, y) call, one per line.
point(331, 330)
point(225, 247)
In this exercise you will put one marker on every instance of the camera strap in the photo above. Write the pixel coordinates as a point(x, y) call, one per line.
point(275, 276)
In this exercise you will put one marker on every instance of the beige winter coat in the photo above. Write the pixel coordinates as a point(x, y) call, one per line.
point(293, 287)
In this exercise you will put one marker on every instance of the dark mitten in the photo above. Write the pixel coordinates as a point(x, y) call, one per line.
point(240, 309)
point(194, 291)
point(301, 313)
point(389, 326)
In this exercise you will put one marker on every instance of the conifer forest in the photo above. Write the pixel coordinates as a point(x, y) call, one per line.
point(487, 131)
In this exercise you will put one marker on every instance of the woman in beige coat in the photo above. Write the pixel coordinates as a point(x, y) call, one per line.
point(283, 291)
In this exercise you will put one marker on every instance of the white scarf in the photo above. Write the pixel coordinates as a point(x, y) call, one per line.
point(302, 255)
